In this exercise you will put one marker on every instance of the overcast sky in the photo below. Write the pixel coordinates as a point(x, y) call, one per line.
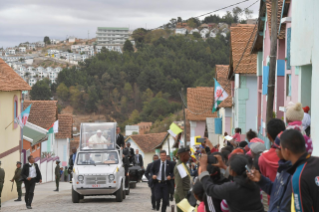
point(31, 20)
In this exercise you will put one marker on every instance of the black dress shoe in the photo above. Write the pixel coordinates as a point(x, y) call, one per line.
point(56, 190)
point(17, 200)
point(29, 207)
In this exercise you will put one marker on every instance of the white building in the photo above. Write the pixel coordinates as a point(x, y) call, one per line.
point(193, 30)
point(52, 51)
point(71, 39)
point(40, 44)
point(204, 32)
point(112, 35)
point(10, 52)
point(32, 81)
point(22, 49)
point(181, 31)
point(132, 129)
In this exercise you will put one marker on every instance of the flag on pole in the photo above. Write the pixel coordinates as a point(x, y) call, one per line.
point(54, 127)
point(174, 130)
point(23, 117)
point(219, 96)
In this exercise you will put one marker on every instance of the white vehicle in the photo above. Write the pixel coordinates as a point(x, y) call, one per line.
point(98, 167)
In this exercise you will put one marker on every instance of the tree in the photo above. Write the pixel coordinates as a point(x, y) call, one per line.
point(139, 34)
point(46, 40)
point(63, 91)
point(236, 14)
point(41, 90)
point(128, 47)
point(196, 35)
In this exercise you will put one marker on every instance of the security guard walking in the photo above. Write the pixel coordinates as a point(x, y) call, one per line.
point(16, 178)
point(2, 175)
point(57, 175)
point(182, 180)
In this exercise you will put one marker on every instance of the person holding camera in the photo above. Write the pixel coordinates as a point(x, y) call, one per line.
point(205, 147)
point(242, 194)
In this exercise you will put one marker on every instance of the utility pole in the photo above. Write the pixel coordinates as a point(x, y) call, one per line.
point(185, 130)
point(272, 65)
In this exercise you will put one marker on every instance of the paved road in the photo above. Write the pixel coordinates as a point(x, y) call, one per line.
point(47, 200)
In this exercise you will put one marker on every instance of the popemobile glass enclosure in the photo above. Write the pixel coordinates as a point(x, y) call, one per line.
point(98, 136)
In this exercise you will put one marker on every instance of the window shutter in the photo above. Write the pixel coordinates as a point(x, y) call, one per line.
point(288, 48)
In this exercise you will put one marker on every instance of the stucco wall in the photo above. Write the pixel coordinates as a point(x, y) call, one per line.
point(9, 138)
point(251, 103)
point(304, 90)
point(304, 28)
point(61, 149)
point(9, 166)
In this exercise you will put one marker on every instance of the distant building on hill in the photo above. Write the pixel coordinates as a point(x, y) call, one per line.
point(112, 35)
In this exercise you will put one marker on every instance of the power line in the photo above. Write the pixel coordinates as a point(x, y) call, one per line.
point(197, 16)
point(202, 112)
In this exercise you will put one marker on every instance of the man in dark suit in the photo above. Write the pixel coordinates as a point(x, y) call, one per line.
point(139, 159)
point(131, 154)
point(150, 184)
point(119, 138)
point(72, 162)
point(172, 181)
point(30, 175)
point(162, 172)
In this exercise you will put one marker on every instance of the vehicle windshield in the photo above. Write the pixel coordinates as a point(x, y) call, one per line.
point(98, 136)
point(97, 158)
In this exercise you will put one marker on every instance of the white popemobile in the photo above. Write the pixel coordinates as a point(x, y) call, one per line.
point(98, 167)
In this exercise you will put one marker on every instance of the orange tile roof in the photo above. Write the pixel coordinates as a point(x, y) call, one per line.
point(65, 126)
point(10, 80)
point(239, 36)
point(221, 77)
point(269, 12)
point(200, 103)
point(43, 113)
point(148, 142)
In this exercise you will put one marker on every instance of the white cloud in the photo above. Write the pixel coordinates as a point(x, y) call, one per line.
point(34, 19)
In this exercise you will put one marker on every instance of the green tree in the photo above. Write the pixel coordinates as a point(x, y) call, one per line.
point(128, 47)
point(63, 91)
point(46, 40)
point(196, 35)
point(139, 35)
point(41, 90)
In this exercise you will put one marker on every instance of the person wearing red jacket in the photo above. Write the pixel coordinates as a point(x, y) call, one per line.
point(268, 161)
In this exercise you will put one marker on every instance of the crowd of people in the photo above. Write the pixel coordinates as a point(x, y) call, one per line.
point(243, 175)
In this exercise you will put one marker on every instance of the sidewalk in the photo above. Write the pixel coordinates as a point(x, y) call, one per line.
point(42, 191)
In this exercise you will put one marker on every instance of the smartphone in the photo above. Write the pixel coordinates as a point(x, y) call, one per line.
point(200, 140)
point(248, 169)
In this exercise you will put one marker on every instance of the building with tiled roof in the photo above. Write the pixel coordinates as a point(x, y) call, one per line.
point(199, 109)
point(43, 113)
point(146, 144)
point(285, 77)
point(63, 137)
point(225, 107)
point(11, 88)
point(144, 127)
point(242, 62)
point(242, 72)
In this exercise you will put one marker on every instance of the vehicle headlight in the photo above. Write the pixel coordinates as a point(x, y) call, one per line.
point(80, 178)
point(111, 177)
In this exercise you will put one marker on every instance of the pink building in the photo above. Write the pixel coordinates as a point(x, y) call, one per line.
point(261, 47)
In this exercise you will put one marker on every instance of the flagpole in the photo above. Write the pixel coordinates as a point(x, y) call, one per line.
point(9, 124)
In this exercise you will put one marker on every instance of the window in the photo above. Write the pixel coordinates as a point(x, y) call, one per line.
point(288, 85)
point(15, 111)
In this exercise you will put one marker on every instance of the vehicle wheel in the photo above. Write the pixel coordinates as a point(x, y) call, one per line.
point(81, 197)
point(128, 191)
point(75, 196)
point(124, 194)
point(132, 185)
point(119, 194)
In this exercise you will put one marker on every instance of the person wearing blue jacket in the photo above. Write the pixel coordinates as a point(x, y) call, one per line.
point(279, 190)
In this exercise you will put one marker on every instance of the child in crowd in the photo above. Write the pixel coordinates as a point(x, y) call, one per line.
point(294, 116)
point(236, 137)
point(199, 194)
